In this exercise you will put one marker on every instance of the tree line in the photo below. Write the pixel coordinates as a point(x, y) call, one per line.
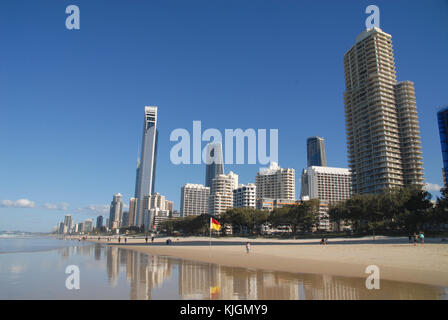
point(303, 217)
point(400, 209)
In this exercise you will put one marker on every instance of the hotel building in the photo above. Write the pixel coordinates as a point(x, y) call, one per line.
point(383, 137)
point(276, 183)
point(245, 196)
point(194, 199)
point(329, 185)
point(221, 193)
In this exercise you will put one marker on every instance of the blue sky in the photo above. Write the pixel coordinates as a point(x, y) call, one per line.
point(72, 101)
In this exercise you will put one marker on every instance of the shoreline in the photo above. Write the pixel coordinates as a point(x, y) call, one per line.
point(396, 258)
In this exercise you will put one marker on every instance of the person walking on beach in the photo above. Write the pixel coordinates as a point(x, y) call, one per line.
point(146, 239)
point(415, 239)
point(125, 240)
point(152, 239)
point(119, 239)
point(248, 247)
point(422, 238)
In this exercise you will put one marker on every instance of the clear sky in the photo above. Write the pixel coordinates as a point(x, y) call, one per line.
point(72, 101)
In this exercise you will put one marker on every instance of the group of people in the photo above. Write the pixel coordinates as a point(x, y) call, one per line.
point(417, 237)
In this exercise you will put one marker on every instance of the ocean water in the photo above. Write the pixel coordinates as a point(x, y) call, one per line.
point(36, 268)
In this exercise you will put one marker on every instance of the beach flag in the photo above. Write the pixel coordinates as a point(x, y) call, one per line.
point(214, 292)
point(214, 224)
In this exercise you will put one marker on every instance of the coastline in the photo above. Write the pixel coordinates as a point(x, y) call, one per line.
point(397, 259)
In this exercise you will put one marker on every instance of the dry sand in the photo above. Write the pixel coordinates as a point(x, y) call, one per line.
point(397, 259)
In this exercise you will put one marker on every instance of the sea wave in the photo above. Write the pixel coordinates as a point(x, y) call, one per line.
point(14, 235)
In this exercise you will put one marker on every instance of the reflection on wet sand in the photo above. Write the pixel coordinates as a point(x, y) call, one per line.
point(198, 280)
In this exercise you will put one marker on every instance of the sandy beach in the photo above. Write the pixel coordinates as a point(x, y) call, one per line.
point(397, 259)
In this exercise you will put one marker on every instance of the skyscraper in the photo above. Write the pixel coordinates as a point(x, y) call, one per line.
point(132, 211)
point(125, 219)
point(116, 211)
point(68, 222)
point(276, 183)
point(383, 138)
point(214, 163)
point(99, 223)
point(221, 193)
point(146, 166)
point(194, 199)
point(315, 147)
point(88, 225)
point(442, 119)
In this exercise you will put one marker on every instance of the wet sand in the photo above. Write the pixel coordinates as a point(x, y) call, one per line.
point(397, 259)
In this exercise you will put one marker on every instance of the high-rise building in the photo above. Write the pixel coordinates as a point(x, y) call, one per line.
point(61, 226)
point(125, 219)
point(221, 193)
point(194, 199)
point(410, 145)
point(169, 205)
point(88, 225)
point(276, 183)
point(442, 119)
point(146, 166)
point(214, 163)
point(132, 211)
point(327, 183)
point(154, 201)
point(116, 211)
point(68, 222)
point(316, 156)
point(244, 196)
point(157, 201)
point(382, 127)
point(99, 223)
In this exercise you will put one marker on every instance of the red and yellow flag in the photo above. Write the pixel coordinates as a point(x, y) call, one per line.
point(214, 224)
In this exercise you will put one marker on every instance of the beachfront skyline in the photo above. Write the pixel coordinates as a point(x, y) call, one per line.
point(189, 60)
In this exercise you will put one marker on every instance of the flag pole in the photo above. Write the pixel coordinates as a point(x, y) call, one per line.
point(210, 238)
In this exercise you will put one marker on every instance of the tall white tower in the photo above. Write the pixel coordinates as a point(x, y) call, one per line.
point(146, 167)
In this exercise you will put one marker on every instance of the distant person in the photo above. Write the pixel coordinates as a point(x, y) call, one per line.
point(415, 239)
point(248, 247)
point(422, 237)
point(322, 241)
point(152, 239)
point(125, 240)
point(146, 239)
point(119, 239)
